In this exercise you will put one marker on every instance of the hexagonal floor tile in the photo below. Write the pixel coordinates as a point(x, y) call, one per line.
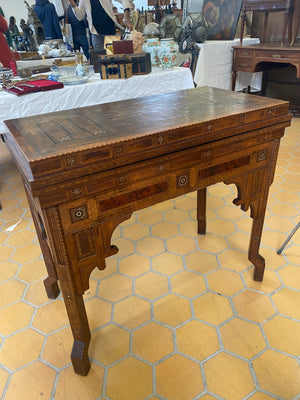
point(50, 317)
point(33, 271)
point(36, 378)
point(99, 312)
point(58, 348)
point(269, 284)
point(181, 245)
point(254, 306)
point(225, 282)
point(221, 227)
point(228, 377)
point(242, 337)
point(260, 396)
point(26, 253)
point(149, 217)
point(176, 216)
point(289, 274)
point(212, 308)
point(135, 231)
point(212, 243)
point(134, 265)
point(152, 342)
point(167, 263)
point(284, 210)
point(15, 317)
point(21, 238)
point(283, 334)
point(125, 247)
point(115, 288)
point(164, 230)
point(269, 368)
point(230, 213)
point(234, 260)
point(8, 270)
point(150, 246)
point(178, 378)
point(185, 203)
point(202, 262)
point(172, 310)
point(197, 340)
point(151, 285)
point(287, 302)
point(129, 379)
point(21, 348)
point(109, 344)
point(132, 312)
point(75, 387)
point(3, 379)
point(36, 294)
point(188, 284)
point(11, 292)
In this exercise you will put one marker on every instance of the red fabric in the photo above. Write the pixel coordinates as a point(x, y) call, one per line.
point(5, 54)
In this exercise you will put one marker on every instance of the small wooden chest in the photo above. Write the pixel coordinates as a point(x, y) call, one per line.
point(115, 67)
point(141, 63)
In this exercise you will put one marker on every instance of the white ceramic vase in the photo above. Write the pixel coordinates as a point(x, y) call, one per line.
point(167, 52)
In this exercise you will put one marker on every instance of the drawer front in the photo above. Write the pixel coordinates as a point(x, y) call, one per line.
point(277, 55)
point(241, 64)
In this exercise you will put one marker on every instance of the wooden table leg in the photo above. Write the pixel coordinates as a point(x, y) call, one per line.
point(258, 209)
point(50, 283)
point(296, 14)
point(78, 320)
point(201, 210)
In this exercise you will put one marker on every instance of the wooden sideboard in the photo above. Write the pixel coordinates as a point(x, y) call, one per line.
point(261, 57)
point(87, 170)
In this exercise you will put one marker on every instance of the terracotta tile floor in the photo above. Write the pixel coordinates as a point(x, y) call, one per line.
point(174, 316)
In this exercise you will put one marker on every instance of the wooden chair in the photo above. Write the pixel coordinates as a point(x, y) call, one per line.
point(268, 6)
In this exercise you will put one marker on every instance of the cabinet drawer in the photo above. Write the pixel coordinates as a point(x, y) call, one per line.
point(276, 56)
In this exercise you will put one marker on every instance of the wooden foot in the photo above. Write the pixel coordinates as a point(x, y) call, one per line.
point(52, 288)
point(80, 359)
point(201, 211)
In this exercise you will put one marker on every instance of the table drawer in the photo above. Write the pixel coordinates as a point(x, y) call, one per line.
point(241, 64)
point(276, 55)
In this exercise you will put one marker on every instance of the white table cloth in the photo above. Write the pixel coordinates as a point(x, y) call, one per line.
point(95, 91)
point(214, 65)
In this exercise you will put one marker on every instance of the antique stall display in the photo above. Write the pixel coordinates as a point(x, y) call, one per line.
point(115, 67)
point(80, 192)
point(221, 18)
point(194, 26)
point(271, 6)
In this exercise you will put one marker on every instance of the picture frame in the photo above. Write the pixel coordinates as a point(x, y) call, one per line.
point(221, 17)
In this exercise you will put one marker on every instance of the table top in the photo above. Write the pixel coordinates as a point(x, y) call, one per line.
point(63, 145)
point(271, 46)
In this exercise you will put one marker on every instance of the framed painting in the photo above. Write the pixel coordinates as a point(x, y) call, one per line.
point(221, 17)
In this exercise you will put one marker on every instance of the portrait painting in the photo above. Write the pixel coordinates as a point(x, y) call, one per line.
point(221, 17)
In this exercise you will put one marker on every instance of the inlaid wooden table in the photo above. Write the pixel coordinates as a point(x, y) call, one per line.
point(87, 170)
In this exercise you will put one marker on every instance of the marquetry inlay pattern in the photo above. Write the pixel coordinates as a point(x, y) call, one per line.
point(70, 161)
point(262, 155)
point(77, 191)
point(183, 180)
point(79, 213)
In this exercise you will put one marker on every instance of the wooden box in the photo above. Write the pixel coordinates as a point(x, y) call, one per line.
point(94, 58)
point(122, 47)
point(115, 67)
point(141, 63)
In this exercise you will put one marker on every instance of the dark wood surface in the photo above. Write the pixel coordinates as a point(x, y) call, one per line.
point(87, 170)
point(261, 57)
